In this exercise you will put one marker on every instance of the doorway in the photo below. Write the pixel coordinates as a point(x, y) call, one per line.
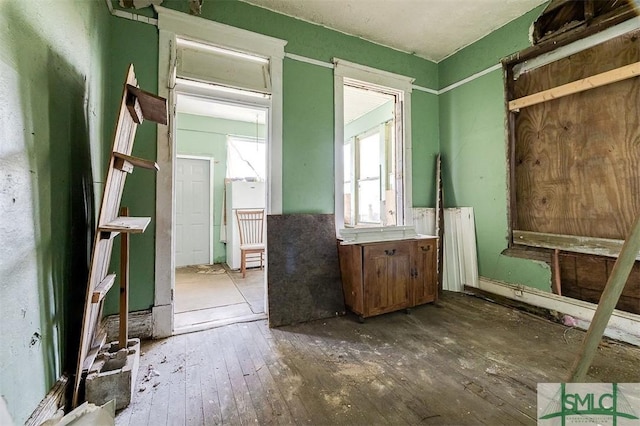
point(221, 149)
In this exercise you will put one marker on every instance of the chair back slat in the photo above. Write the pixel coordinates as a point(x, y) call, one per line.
point(251, 226)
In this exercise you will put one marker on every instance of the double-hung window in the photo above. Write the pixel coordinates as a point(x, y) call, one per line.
point(373, 147)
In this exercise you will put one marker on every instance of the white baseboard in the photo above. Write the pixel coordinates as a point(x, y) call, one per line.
point(162, 321)
point(622, 326)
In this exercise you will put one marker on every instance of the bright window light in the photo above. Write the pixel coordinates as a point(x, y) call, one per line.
point(210, 48)
point(219, 88)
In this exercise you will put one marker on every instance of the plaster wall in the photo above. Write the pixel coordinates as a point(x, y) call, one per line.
point(473, 142)
point(52, 66)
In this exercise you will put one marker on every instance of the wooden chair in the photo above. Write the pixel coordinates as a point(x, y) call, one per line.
point(251, 227)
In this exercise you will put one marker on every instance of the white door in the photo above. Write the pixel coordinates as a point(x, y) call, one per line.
point(193, 211)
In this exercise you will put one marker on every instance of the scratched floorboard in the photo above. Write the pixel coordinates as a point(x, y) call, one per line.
point(466, 361)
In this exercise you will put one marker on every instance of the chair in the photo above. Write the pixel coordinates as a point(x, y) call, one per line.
point(251, 227)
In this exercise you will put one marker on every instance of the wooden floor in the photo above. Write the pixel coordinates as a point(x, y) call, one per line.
point(466, 361)
point(230, 297)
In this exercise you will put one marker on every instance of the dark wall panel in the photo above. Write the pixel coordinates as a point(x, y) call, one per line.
point(584, 277)
point(303, 275)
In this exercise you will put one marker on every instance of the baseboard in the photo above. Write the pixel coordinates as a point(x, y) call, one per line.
point(623, 326)
point(52, 402)
point(140, 325)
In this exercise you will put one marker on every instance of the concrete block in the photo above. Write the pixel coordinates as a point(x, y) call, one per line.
point(113, 374)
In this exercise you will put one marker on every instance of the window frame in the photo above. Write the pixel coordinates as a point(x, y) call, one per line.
point(401, 87)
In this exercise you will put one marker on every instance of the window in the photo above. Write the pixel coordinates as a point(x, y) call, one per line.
point(369, 184)
point(246, 158)
point(373, 174)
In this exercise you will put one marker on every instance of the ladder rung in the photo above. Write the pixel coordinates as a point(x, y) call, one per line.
point(126, 162)
point(96, 345)
point(153, 107)
point(102, 288)
point(131, 225)
point(134, 106)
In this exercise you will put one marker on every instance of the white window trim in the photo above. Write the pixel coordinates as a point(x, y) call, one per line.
point(172, 24)
point(349, 70)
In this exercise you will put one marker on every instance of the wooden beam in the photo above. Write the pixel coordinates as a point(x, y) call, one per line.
point(596, 25)
point(103, 288)
point(608, 301)
point(152, 107)
point(573, 243)
point(132, 225)
point(97, 343)
point(134, 108)
point(440, 222)
point(557, 279)
point(123, 336)
point(598, 80)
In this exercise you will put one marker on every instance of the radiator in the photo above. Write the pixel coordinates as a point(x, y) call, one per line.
point(460, 257)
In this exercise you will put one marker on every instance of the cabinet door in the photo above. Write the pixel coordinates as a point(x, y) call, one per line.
point(425, 287)
point(387, 277)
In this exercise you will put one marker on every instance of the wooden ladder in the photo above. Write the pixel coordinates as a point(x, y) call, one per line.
point(136, 106)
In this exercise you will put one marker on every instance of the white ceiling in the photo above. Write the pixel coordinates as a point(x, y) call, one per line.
point(209, 108)
point(432, 29)
point(358, 102)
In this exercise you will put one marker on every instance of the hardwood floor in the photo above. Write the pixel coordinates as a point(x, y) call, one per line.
point(213, 295)
point(466, 361)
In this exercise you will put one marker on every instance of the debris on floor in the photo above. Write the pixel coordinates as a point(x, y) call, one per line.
point(87, 414)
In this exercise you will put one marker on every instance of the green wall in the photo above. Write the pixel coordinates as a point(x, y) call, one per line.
point(308, 128)
point(52, 86)
point(134, 43)
point(473, 144)
point(62, 67)
point(207, 137)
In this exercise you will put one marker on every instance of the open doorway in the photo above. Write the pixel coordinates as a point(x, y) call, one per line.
point(220, 173)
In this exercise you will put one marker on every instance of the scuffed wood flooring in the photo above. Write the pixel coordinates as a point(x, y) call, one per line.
point(466, 361)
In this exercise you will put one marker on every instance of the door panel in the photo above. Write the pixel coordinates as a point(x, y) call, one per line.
point(426, 288)
point(387, 274)
point(193, 216)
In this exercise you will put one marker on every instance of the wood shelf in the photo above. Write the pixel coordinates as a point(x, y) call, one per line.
point(130, 225)
point(126, 162)
point(153, 107)
point(101, 289)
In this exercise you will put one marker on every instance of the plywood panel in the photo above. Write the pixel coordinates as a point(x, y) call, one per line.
point(577, 159)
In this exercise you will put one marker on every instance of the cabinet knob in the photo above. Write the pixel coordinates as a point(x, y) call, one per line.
point(390, 252)
point(425, 248)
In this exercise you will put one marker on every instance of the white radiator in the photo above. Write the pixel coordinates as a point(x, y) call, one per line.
point(460, 257)
point(424, 220)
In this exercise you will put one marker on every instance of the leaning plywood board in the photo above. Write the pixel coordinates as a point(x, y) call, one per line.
point(135, 106)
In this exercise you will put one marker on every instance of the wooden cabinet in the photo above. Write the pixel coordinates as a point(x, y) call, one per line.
point(381, 277)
